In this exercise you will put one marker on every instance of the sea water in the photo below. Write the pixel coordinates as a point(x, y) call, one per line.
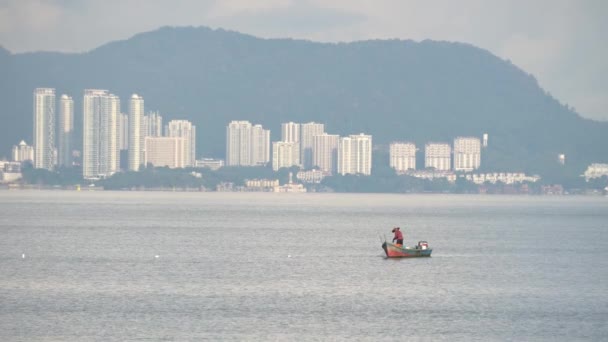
point(119, 266)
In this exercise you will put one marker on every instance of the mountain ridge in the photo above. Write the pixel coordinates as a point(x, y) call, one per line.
point(393, 89)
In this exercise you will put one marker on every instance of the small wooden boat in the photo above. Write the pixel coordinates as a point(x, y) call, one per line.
point(394, 251)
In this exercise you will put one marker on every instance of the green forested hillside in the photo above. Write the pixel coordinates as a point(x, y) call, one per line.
point(392, 89)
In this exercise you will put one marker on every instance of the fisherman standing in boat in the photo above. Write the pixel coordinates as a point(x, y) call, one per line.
point(398, 236)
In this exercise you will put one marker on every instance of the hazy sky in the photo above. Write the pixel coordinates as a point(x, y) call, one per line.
point(561, 42)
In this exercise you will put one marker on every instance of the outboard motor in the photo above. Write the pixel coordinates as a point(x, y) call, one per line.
point(423, 245)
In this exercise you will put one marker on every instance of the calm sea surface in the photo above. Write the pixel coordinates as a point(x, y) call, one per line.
point(115, 266)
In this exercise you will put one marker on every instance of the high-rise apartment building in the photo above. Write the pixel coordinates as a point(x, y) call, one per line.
point(23, 152)
point(438, 156)
point(402, 156)
point(260, 145)
point(355, 154)
point(100, 150)
point(136, 136)
point(44, 128)
point(153, 125)
point(184, 129)
point(284, 154)
point(325, 152)
point(66, 131)
point(290, 132)
point(238, 143)
point(166, 151)
point(246, 144)
point(467, 153)
point(307, 133)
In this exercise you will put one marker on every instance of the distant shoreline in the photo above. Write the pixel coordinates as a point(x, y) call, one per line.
point(4, 187)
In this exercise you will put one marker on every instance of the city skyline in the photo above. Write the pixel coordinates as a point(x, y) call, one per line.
point(338, 154)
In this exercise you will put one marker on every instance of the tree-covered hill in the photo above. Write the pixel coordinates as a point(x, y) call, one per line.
point(392, 89)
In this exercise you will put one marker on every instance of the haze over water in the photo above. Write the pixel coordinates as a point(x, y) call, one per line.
point(80, 266)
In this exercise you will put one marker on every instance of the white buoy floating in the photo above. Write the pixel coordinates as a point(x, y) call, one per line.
point(289, 255)
point(157, 256)
point(23, 256)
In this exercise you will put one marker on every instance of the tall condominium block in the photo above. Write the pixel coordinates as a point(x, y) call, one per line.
point(246, 144)
point(238, 143)
point(438, 156)
point(66, 131)
point(307, 133)
point(260, 145)
point(23, 152)
point(402, 156)
point(166, 151)
point(325, 152)
point(44, 128)
point(100, 150)
point(467, 153)
point(184, 129)
point(355, 155)
point(123, 132)
point(284, 154)
point(153, 125)
point(290, 132)
point(136, 136)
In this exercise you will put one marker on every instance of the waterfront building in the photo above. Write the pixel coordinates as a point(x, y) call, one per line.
point(9, 171)
point(210, 163)
point(311, 176)
point(432, 174)
point(136, 137)
point(467, 154)
point(264, 185)
point(402, 156)
point(290, 186)
point(44, 128)
point(438, 156)
point(307, 133)
point(23, 152)
point(485, 140)
point(166, 151)
point(153, 125)
point(284, 154)
point(355, 154)
point(504, 177)
point(66, 131)
point(325, 152)
point(184, 129)
point(100, 150)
